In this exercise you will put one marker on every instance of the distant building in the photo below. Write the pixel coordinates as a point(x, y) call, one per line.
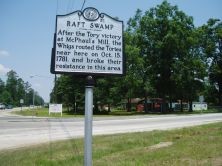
point(196, 106)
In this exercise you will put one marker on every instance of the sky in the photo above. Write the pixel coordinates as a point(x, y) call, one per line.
point(27, 28)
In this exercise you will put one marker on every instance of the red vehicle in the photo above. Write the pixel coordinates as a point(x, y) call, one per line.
point(153, 105)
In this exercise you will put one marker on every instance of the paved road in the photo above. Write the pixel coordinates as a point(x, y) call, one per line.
point(17, 131)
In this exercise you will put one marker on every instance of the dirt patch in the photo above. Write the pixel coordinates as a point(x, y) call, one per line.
point(217, 161)
point(160, 145)
point(130, 152)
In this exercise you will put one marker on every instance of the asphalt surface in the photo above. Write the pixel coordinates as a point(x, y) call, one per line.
point(18, 131)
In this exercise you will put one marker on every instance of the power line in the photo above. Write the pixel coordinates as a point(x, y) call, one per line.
point(39, 76)
point(83, 4)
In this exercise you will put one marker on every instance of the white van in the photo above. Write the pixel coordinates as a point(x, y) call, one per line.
point(2, 106)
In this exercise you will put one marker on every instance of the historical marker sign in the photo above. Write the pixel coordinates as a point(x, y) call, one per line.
point(88, 43)
point(55, 108)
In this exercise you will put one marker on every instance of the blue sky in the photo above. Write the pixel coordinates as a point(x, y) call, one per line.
point(27, 27)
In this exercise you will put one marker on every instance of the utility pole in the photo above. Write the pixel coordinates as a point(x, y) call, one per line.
point(33, 95)
point(33, 98)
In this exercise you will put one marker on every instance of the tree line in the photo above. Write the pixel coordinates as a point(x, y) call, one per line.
point(166, 57)
point(15, 89)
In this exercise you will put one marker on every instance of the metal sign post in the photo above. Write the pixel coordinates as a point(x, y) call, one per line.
point(88, 120)
point(21, 103)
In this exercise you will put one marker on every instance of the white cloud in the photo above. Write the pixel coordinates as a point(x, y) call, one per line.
point(3, 70)
point(4, 53)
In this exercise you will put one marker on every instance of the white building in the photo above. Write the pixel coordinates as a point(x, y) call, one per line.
point(199, 106)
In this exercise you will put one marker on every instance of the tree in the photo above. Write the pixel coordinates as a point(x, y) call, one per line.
point(16, 89)
point(11, 85)
point(68, 90)
point(166, 41)
point(6, 98)
point(38, 100)
point(190, 70)
point(136, 81)
point(20, 90)
point(28, 95)
point(2, 86)
point(212, 49)
point(107, 92)
point(166, 57)
point(2, 90)
point(135, 77)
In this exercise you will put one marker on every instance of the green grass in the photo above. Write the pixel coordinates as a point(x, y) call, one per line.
point(201, 145)
point(44, 112)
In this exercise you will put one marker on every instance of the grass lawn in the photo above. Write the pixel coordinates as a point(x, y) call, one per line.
point(44, 112)
point(201, 145)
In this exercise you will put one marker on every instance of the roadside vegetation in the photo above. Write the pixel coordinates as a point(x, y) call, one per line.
point(185, 146)
point(44, 112)
point(15, 91)
point(167, 57)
